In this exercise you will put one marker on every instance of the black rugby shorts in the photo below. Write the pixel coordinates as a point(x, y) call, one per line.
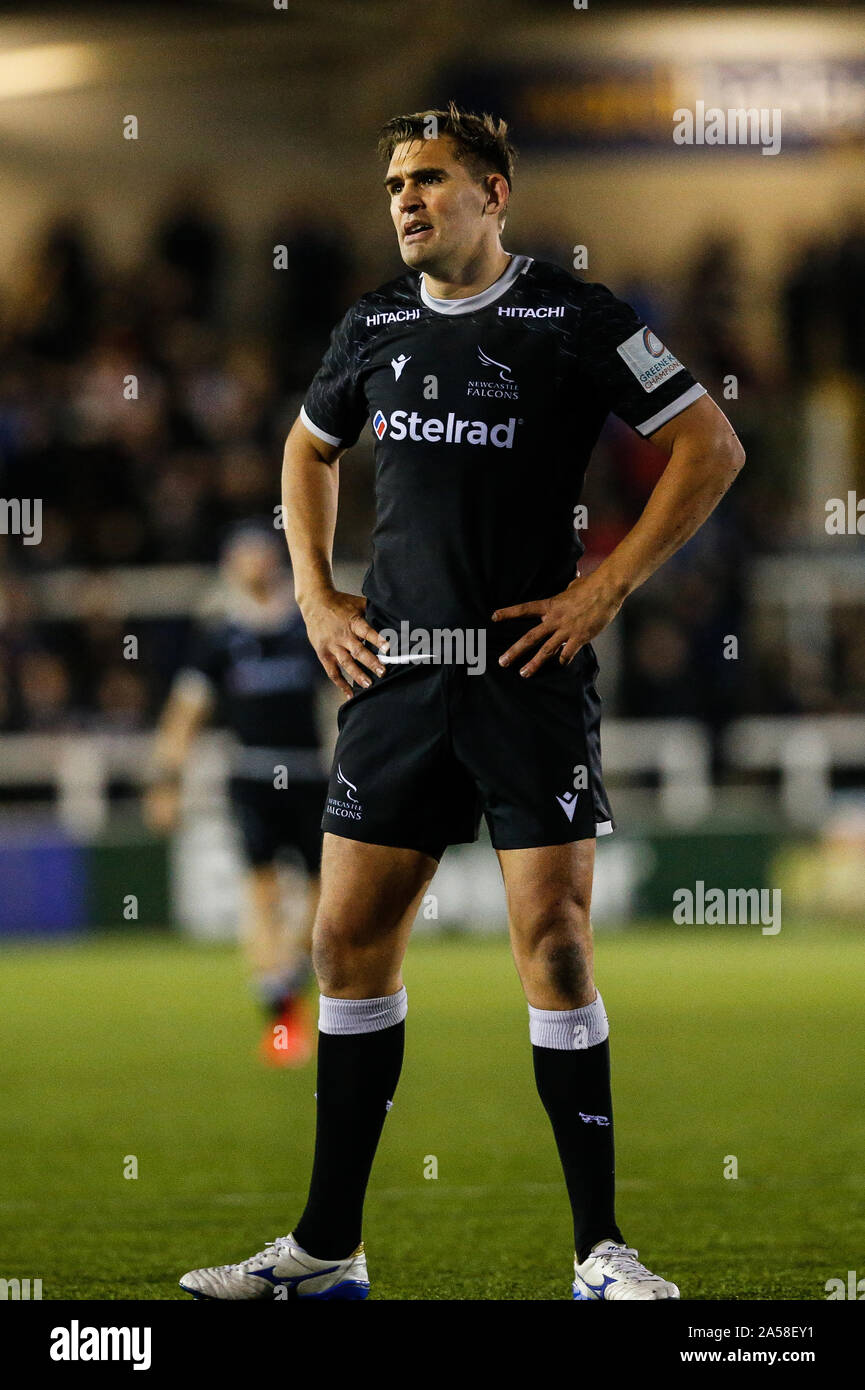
point(428, 749)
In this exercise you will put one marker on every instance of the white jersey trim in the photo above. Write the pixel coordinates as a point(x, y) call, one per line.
point(672, 410)
point(518, 266)
point(319, 433)
point(604, 827)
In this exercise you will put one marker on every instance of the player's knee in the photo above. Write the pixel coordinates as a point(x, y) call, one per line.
point(338, 953)
point(556, 942)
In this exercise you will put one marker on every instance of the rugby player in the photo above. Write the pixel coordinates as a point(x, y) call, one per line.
point(487, 377)
point(250, 659)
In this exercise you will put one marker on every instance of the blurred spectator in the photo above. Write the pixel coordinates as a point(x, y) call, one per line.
point(807, 301)
point(713, 320)
point(46, 694)
point(311, 295)
point(182, 510)
point(122, 700)
point(823, 302)
point(190, 254)
point(658, 680)
point(850, 292)
point(59, 294)
point(9, 715)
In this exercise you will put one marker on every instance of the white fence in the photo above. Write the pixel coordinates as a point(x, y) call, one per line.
point(803, 752)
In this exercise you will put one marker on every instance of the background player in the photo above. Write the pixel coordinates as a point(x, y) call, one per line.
point(487, 378)
point(251, 660)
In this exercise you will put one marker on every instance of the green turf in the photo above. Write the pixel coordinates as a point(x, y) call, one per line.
point(724, 1042)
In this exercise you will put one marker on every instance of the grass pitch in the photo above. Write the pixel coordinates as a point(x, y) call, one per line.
point(726, 1044)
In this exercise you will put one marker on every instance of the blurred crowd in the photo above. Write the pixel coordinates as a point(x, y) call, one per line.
point(147, 406)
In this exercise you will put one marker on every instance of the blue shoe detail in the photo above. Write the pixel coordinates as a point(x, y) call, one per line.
point(599, 1290)
point(348, 1289)
point(293, 1280)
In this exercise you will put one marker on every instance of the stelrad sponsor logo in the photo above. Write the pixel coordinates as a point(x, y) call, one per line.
point(431, 429)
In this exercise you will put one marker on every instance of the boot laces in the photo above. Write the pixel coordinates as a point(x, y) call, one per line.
point(624, 1262)
point(272, 1248)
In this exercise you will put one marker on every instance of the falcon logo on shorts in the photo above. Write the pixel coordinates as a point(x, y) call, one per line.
point(379, 424)
point(346, 806)
point(344, 782)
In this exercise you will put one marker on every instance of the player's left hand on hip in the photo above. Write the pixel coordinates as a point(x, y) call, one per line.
point(566, 622)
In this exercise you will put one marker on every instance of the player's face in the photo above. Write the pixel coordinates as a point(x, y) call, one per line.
point(252, 563)
point(437, 206)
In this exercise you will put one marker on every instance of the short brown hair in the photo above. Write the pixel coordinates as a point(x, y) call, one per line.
point(481, 141)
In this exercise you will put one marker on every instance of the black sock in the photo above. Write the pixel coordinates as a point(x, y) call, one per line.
point(357, 1078)
point(573, 1085)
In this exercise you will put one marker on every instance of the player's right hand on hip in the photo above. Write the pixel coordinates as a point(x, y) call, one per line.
point(337, 629)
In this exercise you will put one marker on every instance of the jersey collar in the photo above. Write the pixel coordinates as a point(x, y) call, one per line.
point(518, 266)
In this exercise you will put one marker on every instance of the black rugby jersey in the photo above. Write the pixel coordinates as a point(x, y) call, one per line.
point(485, 412)
point(264, 678)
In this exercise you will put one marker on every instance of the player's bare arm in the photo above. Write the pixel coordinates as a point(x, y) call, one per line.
point(705, 456)
point(335, 621)
point(185, 712)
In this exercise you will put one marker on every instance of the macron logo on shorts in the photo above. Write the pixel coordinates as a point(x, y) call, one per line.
point(379, 424)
